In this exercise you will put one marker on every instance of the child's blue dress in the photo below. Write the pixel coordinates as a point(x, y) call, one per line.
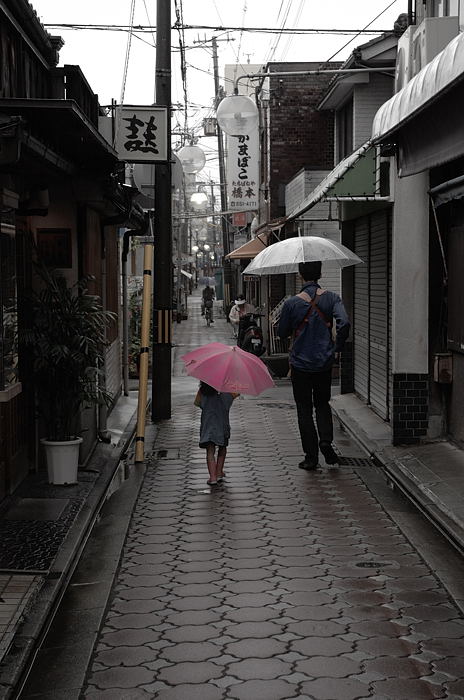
point(215, 426)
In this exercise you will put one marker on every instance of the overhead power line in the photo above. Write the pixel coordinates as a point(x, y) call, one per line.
point(366, 28)
point(149, 28)
point(128, 48)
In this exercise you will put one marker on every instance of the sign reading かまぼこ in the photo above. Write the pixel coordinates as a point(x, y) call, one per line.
point(141, 134)
point(243, 171)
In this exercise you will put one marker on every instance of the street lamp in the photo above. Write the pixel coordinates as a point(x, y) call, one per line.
point(237, 115)
point(199, 200)
point(204, 256)
point(193, 159)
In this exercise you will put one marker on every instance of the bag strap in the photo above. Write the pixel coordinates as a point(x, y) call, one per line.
point(313, 307)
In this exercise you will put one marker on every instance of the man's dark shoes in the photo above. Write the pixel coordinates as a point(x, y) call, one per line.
point(308, 464)
point(329, 453)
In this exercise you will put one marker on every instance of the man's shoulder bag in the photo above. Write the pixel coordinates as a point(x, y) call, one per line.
point(313, 307)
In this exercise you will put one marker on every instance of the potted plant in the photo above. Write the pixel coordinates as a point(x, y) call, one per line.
point(66, 338)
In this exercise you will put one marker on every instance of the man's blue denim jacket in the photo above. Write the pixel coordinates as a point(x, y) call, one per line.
point(313, 349)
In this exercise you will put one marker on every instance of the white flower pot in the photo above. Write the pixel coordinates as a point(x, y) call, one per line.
point(62, 460)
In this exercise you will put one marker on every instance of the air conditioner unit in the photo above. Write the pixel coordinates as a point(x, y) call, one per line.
point(431, 37)
point(403, 70)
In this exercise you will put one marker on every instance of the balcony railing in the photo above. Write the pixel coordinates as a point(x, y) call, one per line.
point(69, 83)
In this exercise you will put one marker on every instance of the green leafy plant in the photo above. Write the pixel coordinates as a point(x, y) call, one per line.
point(67, 339)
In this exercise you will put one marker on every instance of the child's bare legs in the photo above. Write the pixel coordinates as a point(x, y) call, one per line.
point(221, 458)
point(211, 461)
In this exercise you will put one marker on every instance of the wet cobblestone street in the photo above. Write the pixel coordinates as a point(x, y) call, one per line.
point(280, 584)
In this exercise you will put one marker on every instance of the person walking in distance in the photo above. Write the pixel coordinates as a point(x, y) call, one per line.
point(214, 429)
point(207, 298)
point(309, 317)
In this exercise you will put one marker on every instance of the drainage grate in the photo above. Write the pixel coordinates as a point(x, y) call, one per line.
point(277, 404)
point(372, 564)
point(356, 462)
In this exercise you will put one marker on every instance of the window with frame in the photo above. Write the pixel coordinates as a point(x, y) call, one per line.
point(8, 308)
point(344, 126)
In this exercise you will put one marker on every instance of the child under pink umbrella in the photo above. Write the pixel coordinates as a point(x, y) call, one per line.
point(214, 429)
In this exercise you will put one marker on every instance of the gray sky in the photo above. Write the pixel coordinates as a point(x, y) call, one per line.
point(101, 54)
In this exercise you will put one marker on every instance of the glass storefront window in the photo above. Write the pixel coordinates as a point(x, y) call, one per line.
point(8, 309)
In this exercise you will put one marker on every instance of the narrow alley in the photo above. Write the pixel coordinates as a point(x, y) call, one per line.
point(279, 584)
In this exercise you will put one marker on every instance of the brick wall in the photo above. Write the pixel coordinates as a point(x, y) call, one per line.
point(410, 408)
point(300, 136)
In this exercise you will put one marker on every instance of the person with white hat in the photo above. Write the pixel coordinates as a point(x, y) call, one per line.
point(239, 309)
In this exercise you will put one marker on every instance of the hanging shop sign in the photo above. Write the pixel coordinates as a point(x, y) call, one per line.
point(141, 134)
point(239, 219)
point(243, 171)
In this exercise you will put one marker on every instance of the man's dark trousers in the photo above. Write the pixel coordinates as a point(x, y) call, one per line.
point(313, 389)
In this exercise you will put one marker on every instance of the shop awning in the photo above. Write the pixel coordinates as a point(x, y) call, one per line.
point(432, 82)
point(250, 249)
point(353, 178)
point(447, 191)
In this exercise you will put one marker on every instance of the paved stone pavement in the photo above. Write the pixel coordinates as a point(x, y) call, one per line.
point(280, 584)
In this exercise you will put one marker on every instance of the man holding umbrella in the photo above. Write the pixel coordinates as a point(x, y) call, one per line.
point(309, 317)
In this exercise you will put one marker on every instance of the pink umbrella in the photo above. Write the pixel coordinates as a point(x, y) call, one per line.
point(228, 368)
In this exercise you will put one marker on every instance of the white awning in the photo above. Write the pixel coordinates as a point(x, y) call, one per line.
point(362, 184)
point(436, 78)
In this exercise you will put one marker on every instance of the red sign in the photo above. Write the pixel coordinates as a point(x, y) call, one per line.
point(239, 219)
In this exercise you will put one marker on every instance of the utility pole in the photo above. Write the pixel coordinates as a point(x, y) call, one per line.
point(162, 278)
point(213, 204)
point(226, 264)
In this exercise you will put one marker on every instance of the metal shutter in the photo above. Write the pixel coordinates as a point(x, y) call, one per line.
point(372, 312)
point(379, 295)
point(361, 310)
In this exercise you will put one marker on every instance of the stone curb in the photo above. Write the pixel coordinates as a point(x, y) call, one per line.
point(411, 476)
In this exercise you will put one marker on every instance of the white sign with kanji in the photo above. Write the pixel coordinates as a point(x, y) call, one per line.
point(243, 171)
point(141, 134)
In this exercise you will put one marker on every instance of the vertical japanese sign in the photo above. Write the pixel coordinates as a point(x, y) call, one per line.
point(141, 134)
point(243, 171)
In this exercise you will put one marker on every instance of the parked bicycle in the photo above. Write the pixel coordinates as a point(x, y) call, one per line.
point(209, 312)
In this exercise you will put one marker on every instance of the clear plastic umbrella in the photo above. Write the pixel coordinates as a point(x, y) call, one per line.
point(284, 257)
